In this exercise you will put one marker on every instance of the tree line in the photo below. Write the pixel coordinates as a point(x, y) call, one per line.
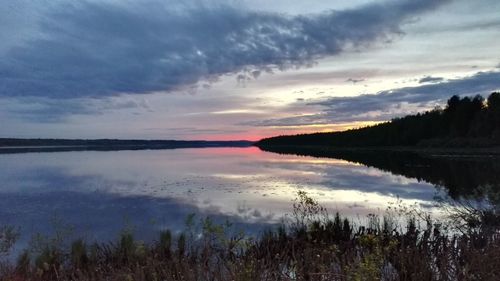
point(465, 121)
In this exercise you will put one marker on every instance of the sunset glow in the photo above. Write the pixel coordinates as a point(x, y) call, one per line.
point(70, 71)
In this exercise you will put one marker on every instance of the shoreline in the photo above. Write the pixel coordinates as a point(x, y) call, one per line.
point(118, 147)
point(11, 146)
point(424, 151)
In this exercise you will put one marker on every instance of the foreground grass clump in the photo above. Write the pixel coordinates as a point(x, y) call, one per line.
point(310, 246)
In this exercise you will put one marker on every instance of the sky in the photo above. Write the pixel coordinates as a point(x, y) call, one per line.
point(236, 69)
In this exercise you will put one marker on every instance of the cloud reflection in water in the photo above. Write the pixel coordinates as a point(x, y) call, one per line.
point(99, 192)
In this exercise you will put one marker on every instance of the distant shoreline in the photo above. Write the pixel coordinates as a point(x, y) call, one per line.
point(8, 146)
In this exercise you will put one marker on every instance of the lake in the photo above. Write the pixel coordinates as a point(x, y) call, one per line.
point(97, 194)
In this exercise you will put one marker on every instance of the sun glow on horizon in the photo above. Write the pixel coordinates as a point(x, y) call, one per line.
point(256, 134)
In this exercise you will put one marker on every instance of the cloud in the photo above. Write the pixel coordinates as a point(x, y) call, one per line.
point(465, 26)
point(101, 49)
point(49, 110)
point(195, 131)
point(390, 103)
point(354, 81)
point(430, 79)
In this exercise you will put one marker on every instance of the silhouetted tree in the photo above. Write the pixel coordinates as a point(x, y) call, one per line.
point(494, 114)
point(465, 121)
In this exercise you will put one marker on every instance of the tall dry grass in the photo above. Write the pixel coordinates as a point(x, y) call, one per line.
point(313, 245)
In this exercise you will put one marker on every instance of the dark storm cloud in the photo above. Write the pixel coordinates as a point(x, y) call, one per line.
point(95, 49)
point(391, 103)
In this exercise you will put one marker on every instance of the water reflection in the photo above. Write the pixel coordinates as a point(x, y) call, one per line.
point(100, 192)
point(463, 177)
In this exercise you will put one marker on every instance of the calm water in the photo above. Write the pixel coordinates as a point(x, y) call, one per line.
point(100, 193)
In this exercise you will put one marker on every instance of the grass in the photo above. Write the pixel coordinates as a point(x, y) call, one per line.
point(311, 245)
